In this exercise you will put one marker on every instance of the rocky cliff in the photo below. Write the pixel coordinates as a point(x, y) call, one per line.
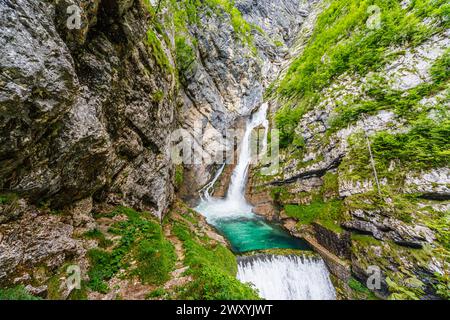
point(363, 120)
point(234, 56)
point(85, 112)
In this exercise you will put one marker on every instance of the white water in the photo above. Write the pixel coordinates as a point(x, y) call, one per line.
point(288, 278)
point(278, 277)
point(235, 205)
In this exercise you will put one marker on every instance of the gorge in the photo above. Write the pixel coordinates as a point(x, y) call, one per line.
point(356, 93)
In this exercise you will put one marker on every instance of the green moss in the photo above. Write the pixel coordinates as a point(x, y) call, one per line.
point(330, 183)
point(158, 96)
point(326, 213)
point(8, 198)
point(158, 51)
point(179, 176)
point(365, 240)
point(16, 293)
point(279, 194)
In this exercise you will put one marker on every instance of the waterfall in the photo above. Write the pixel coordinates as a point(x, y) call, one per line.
point(236, 191)
point(235, 204)
point(276, 277)
point(287, 277)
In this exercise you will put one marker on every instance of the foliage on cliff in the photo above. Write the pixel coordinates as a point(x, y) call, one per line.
point(145, 252)
point(372, 73)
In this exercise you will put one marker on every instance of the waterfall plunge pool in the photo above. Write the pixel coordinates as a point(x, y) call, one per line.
point(254, 234)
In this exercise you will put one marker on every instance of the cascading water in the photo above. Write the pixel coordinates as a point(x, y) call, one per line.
point(290, 277)
point(235, 205)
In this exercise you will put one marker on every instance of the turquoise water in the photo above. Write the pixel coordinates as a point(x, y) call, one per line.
point(253, 233)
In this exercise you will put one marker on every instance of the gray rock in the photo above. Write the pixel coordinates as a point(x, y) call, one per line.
point(77, 111)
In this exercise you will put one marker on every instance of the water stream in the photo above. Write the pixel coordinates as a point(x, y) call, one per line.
point(276, 277)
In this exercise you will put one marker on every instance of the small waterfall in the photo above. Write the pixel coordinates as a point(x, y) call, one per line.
point(287, 277)
point(205, 193)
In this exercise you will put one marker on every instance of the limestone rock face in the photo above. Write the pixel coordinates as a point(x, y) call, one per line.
point(78, 116)
point(227, 80)
point(36, 238)
point(327, 170)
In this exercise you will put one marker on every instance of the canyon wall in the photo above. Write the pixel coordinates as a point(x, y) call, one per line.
point(88, 106)
point(363, 162)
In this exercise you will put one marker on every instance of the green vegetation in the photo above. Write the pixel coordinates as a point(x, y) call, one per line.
point(8, 198)
point(158, 96)
point(365, 239)
point(440, 71)
point(408, 289)
point(286, 121)
point(326, 213)
point(362, 49)
point(185, 55)
point(158, 293)
point(157, 50)
point(141, 238)
point(179, 176)
point(342, 42)
point(425, 145)
point(330, 184)
point(443, 285)
point(100, 237)
point(16, 293)
point(213, 268)
point(182, 13)
point(357, 286)
point(57, 282)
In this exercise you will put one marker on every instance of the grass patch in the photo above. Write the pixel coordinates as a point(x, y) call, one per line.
point(16, 293)
point(100, 237)
point(325, 213)
point(142, 240)
point(214, 270)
